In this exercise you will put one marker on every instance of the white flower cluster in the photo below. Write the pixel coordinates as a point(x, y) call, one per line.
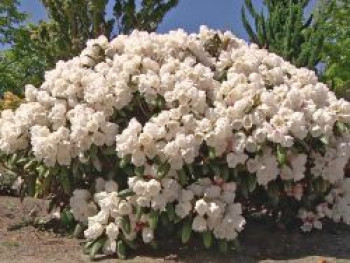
point(215, 210)
point(211, 203)
point(81, 205)
point(176, 100)
point(336, 207)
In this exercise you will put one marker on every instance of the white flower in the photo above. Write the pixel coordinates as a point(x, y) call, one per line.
point(109, 247)
point(101, 217)
point(143, 201)
point(147, 235)
point(140, 187)
point(111, 186)
point(186, 195)
point(183, 209)
point(94, 231)
point(112, 231)
point(215, 209)
point(201, 207)
point(124, 207)
point(138, 158)
point(236, 158)
point(212, 191)
point(199, 224)
point(153, 187)
point(82, 194)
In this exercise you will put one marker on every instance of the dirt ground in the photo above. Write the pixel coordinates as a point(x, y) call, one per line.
point(260, 243)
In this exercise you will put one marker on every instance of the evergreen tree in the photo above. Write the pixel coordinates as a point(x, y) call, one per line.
point(285, 31)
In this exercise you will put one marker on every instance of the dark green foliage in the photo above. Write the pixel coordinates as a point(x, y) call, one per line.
point(285, 31)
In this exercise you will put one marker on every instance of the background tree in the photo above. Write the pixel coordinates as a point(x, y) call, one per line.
point(146, 18)
point(285, 31)
point(23, 63)
point(10, 18)
point(70, 24)
point(336, 55)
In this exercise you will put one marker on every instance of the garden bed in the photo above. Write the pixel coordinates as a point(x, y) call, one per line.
point(258, 242)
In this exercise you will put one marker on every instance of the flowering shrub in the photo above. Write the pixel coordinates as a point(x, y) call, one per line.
point(192, 132)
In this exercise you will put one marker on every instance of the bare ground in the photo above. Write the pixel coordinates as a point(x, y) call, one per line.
point(260, 243)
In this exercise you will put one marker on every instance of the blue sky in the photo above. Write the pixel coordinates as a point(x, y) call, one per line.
point(188, 14)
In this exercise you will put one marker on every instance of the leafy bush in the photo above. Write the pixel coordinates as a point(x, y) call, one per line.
point(176, 132)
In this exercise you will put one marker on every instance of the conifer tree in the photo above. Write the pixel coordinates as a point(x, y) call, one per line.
point(285, 31)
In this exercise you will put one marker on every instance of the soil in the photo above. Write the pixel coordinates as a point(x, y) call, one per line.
point(259, 243)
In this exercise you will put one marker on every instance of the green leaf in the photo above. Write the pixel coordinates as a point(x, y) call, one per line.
point(225, 173)
point(109, 151)
point(131, 243)
point(124, 161)
point(183, 179)
point(170, 208)
point(163, 169)
point(67, 218)
point(341, 127)
point(153, 220)
point(96, 163)
point(22, 160)
point(215, 168)
point(29, 165)
point(65, 181)
point(244, 190)
point(223, 247)
point(251, 183)
point(96, 247)
point(47, 180)
point(154, 244)
point(87, 247)
point(324, 140)
point(126, 224)
point(212, 153)
point(78, 231)
point(186, 231)
point(31, 181)
point(128, 170)
point(121, 250)
point(207, 239)
point(139, 171)
point(125, 193)
point(14, 158)
point(139, 212)
point(160, 102)
point(41, 170)
point(281, 155)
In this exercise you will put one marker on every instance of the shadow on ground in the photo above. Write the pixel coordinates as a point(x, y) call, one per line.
point(259, 243)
